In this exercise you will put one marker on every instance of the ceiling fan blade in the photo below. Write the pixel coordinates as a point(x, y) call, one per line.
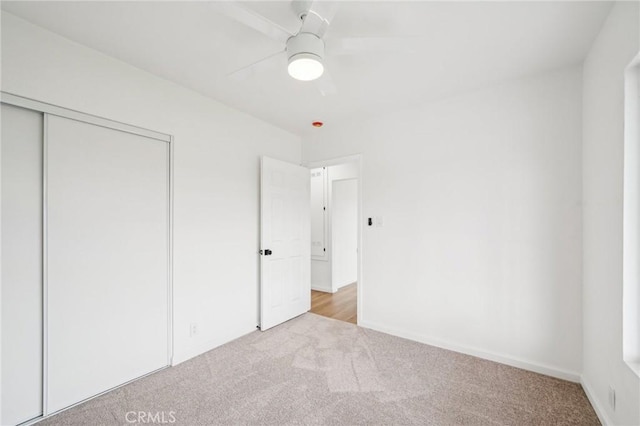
point(355, 45)
point(263, 65)
point(325, 84)
point(253, 20)
point(319, 17)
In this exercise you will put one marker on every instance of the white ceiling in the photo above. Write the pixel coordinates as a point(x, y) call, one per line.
point(457, 46)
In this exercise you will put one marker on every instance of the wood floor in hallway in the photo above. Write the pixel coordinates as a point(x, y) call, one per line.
point(341, 305)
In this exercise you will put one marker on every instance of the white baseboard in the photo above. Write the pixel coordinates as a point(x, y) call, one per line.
point(547, 370)
point(345, 283)
point(323, 289)
point(181, 356)
point(595, 403)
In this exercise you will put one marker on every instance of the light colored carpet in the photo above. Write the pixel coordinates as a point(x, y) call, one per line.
point(315, 370)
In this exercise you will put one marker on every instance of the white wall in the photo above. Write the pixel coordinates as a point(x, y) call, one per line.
point(216, 167)
point(631, 218)
point(603, 118)
point(344, 232)
point(321, 270)
point(480, 249)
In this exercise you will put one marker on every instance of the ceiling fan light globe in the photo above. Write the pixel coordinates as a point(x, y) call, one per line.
point(305, 67)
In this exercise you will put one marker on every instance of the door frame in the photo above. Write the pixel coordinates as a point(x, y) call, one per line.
point(356, 158)
point(51, 109)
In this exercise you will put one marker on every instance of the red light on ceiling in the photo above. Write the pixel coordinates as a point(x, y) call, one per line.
point(317, 124)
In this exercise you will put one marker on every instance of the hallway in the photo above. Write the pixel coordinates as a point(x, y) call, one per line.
point(341, 305)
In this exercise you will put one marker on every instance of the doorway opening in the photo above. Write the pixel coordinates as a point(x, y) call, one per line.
point(335, 238)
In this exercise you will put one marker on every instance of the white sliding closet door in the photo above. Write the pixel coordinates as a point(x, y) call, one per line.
point(107, 229)
point(21, 265)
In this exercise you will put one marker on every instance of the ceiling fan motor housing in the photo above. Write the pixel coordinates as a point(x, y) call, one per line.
point(301, 7)
point(305, 45)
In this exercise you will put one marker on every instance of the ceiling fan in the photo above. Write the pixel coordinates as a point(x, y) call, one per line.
point(305, 49)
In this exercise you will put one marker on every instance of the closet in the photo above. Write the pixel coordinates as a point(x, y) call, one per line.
point(21, 293)
point(86, 255)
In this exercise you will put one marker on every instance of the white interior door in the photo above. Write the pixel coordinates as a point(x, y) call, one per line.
point(107, 259)
point(285, 287)
point(21, 265)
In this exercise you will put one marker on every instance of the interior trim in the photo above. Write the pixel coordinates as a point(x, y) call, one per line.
point(595, 403)
point(547, 370)
point(20, 101)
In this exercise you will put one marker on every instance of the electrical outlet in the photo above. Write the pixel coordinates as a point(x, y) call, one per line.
point(193, 329)
point(612, 397)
